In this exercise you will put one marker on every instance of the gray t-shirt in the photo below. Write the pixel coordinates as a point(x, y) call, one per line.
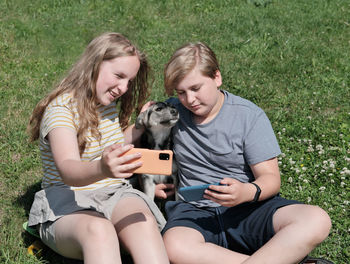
point(240, 135)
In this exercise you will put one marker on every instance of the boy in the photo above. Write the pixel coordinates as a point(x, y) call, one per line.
point(224, 138)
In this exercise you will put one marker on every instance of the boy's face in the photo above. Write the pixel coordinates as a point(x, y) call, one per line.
point(114, 77)
point(200, 94)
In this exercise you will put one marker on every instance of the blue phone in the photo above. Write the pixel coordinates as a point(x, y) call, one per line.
point(194, 193)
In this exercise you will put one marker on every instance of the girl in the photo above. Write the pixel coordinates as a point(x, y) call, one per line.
point(86, 207)
point(223, 138)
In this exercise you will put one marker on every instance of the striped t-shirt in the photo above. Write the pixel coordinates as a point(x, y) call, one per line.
point(62, 112)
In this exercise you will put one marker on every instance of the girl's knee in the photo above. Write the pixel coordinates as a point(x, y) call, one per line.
point(99, 230)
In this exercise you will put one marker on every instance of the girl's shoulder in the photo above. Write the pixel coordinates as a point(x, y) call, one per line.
point(63, 100)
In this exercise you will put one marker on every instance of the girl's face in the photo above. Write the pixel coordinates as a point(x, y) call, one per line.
point(114, 77)
point(200, 95)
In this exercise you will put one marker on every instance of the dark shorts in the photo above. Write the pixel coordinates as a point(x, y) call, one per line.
point(244, 228)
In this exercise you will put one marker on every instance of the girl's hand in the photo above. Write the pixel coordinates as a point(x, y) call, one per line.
point(148, 104)
point(113, 165)
point(231, 193)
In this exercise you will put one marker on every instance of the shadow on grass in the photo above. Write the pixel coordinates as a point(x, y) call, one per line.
point(47, 255)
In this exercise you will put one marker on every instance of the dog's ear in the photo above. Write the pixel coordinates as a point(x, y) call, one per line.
point(141, 120)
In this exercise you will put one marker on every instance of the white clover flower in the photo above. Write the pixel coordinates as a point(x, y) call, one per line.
point(290, 179)
point(322, 188)
point(319, 147)
point(310, 149)
point(305, 181)
point(308, 199)
point(342, 184)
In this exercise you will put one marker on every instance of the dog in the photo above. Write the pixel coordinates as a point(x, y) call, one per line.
point(158, 121)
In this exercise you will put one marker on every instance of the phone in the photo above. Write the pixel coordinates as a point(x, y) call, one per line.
point(154, 161)
point(194, 193)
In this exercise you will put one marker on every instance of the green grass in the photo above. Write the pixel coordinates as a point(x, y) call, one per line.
point(289, 57)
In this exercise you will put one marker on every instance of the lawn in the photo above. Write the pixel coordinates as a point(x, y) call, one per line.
point(289, 57)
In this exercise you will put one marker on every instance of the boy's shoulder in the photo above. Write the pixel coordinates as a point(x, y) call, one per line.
point(174, 101)
point(240, 103)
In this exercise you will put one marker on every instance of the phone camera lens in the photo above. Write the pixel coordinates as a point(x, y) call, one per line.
point(164, 156)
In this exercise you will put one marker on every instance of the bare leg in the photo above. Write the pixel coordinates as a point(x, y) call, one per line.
point(89, 236)
point(186, 245)
point(299, 229)
point(138, 231)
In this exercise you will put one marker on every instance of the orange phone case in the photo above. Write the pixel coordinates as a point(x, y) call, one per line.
point(154, 161)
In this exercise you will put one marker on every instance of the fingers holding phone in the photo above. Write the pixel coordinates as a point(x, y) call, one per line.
point(228, 193)
point(115, 164)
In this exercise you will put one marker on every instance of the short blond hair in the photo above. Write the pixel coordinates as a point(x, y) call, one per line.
point(183, 62)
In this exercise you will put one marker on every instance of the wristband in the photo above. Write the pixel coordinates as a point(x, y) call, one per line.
point(257, 194)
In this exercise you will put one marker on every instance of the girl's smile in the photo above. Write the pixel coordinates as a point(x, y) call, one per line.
point(114, 78)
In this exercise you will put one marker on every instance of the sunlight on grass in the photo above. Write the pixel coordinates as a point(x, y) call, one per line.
point(289, 57)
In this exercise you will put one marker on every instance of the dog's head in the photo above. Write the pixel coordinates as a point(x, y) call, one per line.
point(160, 114)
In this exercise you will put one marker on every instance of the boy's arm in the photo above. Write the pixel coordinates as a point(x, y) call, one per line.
point(267, 177)
point(233, 192)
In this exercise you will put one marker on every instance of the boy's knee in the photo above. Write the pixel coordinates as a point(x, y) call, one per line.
point(323, 222)
point(176, 249)
point(318, 223)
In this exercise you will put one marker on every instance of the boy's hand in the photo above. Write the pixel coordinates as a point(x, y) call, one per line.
point(164, 190)
point(231, 193)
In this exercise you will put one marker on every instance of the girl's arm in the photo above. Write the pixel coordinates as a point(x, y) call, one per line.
point(267, 177)
point(131, 134)
point(75, 172)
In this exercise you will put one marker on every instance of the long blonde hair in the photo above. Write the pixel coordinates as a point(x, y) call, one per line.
point(183, 62)
point(81, 81)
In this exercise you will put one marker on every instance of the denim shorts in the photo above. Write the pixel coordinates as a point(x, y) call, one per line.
point(244, 228)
